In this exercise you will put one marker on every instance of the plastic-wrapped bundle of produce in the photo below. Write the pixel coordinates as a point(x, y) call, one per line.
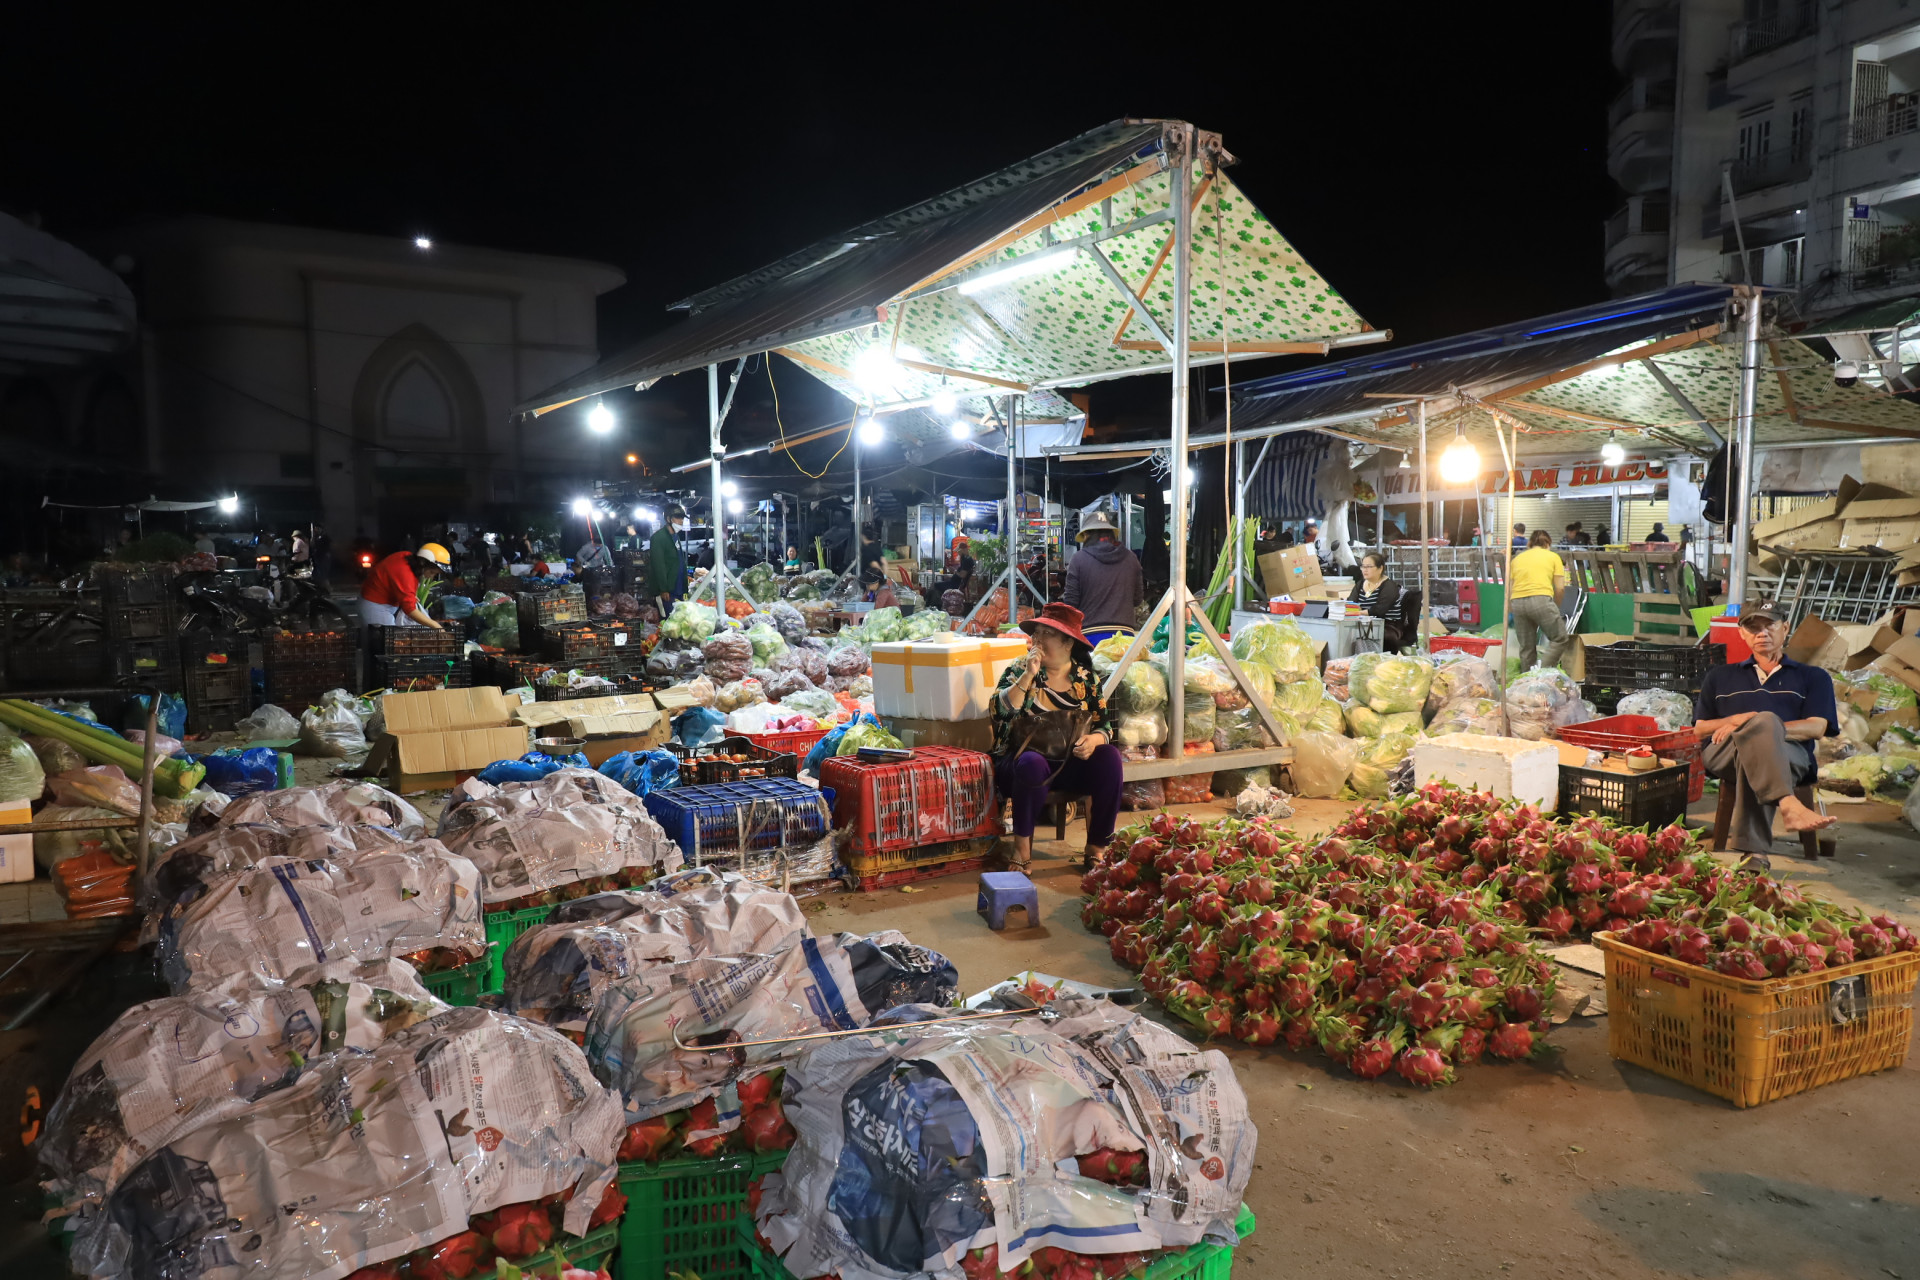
point(284, 915)
point(818, 613)
point(847, 659)
point(384, 1153)
point(1457, 674)
point(1234, 730)
point(1231, 782)
point(1321, 763)
point(729, 656)
point(1672, 710)
point(1148, 794)
point(530, 838)
point(791, 623)
point(1335, 677)
point(1002, 1126)
point(499, 622)
point(689, 621)
point(171, 1065)
point(1298, 697)
point(1197, 720)
point(740, 693)
point(803, 591)
point(817, 703)
point(1141, 691)
point(1537, 698)
point(1282, 645)
point(182, 873)
point(954, 602)
point(879, 626)
point(1326, 718)
point(1466, 715)
point(1365, 722)
point(865, 733)
point(1398, 682)
point(22, 777)
point(556, 972)
point(926, 624)
point(663, 664)
point(758, 580)
point(778, 685)
point(1260, 676)
point(1376, 759)
point(332, 728)
point(767, 642)
point(332, 804)
point(1359, 670)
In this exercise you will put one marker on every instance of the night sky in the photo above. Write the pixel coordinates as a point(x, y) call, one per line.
point(1442, 166)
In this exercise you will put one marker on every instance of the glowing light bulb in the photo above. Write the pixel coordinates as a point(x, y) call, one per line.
point(600, 419)
point(875, 370)
point(229, 505)
point(961, 429)
point(423, 242)
point(1460, 463)
point(728, 488)
point(945, 402)
point(871, 432)
point(735, 507)
point(1612, 453)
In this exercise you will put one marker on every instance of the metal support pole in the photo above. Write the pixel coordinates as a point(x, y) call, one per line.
point(857, 535)
point(1380, 513)
point(1013, 521)
point(1180, 179)
point(719, 499)
point(1234, 525)
point(1746, 473)
point(1046, 526)
point(1426, 515)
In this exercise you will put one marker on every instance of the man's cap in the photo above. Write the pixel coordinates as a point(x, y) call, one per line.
point(1761, 613)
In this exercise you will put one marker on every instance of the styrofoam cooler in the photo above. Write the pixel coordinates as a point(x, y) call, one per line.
point(16, 852)
point(1511, 768)
point(929, 680)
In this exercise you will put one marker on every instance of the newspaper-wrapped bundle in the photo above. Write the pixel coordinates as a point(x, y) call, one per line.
point(166, 1067)
point(638, 1025)
point(367, 1158)
point(915, 1146)
point(283, 915)
point(572, 825)
point(555, 973)
point(332, 804)
point(182, 873)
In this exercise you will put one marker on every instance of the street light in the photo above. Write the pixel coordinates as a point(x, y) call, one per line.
point(423, 242)
point(728, 488)
point(735, 507)
point(639, 513)
point(961, 429)
point(229, 505)
point(600, 419)
point(945, 402)
point(582, 507)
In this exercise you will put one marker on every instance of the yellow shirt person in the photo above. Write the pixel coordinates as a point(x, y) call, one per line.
point(1535, 582)
point(1535, 573)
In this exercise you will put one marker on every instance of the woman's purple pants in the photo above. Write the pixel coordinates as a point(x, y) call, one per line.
point(1024, 781)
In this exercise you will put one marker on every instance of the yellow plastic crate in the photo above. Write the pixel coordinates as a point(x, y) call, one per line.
point(1752, 1042)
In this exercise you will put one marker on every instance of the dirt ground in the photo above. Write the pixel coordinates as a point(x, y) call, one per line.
point(1573, 1165)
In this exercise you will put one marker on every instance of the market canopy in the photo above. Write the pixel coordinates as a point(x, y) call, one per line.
point(1048, 274)
point(1664, 366)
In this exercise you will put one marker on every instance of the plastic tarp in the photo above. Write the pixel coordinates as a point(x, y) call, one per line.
point(332, 804)
point(380, 1154)
point(916, 1146)
point(572, 825)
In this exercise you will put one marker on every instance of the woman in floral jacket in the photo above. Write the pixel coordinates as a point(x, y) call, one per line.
point(1052, 688)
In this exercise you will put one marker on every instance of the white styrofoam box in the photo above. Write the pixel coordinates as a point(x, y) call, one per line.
point(1511, 768)
point(16, 852)
point(927, 680)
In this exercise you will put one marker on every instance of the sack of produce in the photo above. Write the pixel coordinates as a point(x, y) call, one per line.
point(789, 621)
point(1376, 759)
point(817, 703)
point(54, 755)
point(1364, 722)
point(332, 727)
point(1466, 715)
point(1458, 674)
point(1298, 697)
point(22, 776)
point(1197, 722)
point(530, 767)
point(1328, 717)
point(332, 804)
point(530, 838)
point(98, 786)
point(1281, 644)
point(1074, 1148)
point(767, 642)
point(778, 685)
point(1321, 763)
point(1147, 794)
point(689, 621)
point(1534, 699)
point(267, 724)
point(1673, 711)
point(169, 1066)
point(181, 873)
point(1335, 678)
point(643, 772)
point(866, 733)
point(459, 1116)
point(1398, 682)
point(847, 659)
point(1140, 729)
point(1141, 691)
point(1235, 730)
point(1231, 782)
point(497, 620)
point(740, 693)
point(283, 915)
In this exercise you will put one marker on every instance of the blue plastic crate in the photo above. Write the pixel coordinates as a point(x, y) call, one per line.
point(773, 812)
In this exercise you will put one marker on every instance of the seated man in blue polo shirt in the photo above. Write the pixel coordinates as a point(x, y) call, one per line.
point(1761, 718)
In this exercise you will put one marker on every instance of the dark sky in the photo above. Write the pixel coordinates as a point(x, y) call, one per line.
point(1442, 165)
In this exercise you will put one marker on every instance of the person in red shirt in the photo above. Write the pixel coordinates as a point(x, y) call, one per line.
point(390, 597)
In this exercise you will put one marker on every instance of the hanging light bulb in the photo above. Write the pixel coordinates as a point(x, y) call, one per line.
point(944, 401)
point(871, 432)
point(961, 429)
point(600, 419)
point(1612, 453)
point(1460, 463)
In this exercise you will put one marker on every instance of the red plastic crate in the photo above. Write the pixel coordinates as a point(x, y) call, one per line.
point(1469, 593)
point(1475, 645)
point(940, 794)
point(1618, 733)
point(798, 743)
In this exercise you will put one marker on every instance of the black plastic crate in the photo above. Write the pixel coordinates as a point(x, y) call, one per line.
point(218, 684)
point(216, 717)
point(147, 659)
point(412, 642)
point(570, 642)
point(213, 649)
point(1656, 797)
point(1631, 665)
point(138, 621)
point(700, 766)
point(124, 588)
point(546, 608)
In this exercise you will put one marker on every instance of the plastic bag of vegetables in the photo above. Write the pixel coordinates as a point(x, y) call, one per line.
point(1140, 728)
point(848, 659)
point(21, 775)
point(879, 626)
point(1231, 782)
point(781, 685)
point(758, 580)
point(1534, 699)
point(925, 624)
point(814, 702)
point(1283, 646)
point(1375, 760)
point(1321, 763)
point(803, 591)
point(1868, 770)
point(739, 693)
point(729, 656)
point(766, 641)
point(1466, 715)
point(792, 624)
point(498, 619)
point(1457, 674)
point(1298, 697)
point(1233, 730)
point(1113, 648)
point(1671, 710)
point(1260, 676)
point(1399, 683)
point(865, 733)
point(1365, 722)
point(1326, 718)
point(689, 621)
point(1142, 691)
point(1197, 722)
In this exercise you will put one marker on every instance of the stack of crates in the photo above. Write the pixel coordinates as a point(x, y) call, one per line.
point(744, 826)
point(141, 618)
point(548, 608)
point(1617, 669)
point(218, 683)
point(567, 643)
point(410, 659)
point(303, 665)
point(931, 815)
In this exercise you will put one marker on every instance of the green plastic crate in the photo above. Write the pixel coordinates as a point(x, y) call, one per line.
point(502, 928)
point(590, 1252)
point(1202, 1262)
point(684, 1215)
point(460, 987)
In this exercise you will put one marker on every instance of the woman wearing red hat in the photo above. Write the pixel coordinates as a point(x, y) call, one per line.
point(1052, 732)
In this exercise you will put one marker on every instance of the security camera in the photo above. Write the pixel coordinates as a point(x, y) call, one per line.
point(1845, 373)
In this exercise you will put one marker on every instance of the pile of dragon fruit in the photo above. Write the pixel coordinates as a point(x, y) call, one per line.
point(1406, 939)
point(695, 1131)
point(493, 1242)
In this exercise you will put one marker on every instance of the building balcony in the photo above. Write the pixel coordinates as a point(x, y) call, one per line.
point(1641, 161)
point(1640, 96)
point(1773, 169)
point(1646, 35)
point(1636, 244)
point(1749, 39)
point(1883, 118)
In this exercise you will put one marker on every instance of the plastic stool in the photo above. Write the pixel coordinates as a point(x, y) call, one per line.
point(1000, 890)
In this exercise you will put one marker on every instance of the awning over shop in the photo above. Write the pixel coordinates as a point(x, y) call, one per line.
point(1049, 274)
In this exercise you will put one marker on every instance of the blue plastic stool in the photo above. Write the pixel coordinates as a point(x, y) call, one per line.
point(1000, 890)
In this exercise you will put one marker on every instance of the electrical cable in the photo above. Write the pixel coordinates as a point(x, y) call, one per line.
point(782, 428)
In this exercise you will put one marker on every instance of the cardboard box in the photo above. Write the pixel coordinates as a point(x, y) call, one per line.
point(1906, 649)
point(610, 725)
point(433, 739)
point(1768, 530)
point(1887, 664)
point(1885, 533)
point(16, 852)
point(1290, 572)
point(1819, 535)
point(973, 735)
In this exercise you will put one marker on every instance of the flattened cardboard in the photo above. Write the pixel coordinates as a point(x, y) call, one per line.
point(1887, 664)
point(1819, 535)
point(1884, 533)
point(1883, 509)
point(673, 701)
point(1906, 649)
point(542, 715)
point(1850, 488)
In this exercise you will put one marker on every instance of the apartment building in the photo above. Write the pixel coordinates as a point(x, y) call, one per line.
point(1768, 141)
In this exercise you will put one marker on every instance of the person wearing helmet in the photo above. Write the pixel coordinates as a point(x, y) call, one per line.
point(390, 597)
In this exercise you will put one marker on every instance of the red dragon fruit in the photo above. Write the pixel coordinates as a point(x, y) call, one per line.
point(1523, 1002)
point(1511, 1040)
point(1373, 1059)
point(1425, 1067)
point(1258, 1028)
